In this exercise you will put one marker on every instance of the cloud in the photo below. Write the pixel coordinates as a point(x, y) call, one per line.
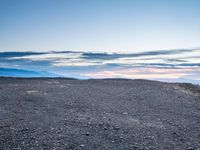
point(161, 64)
point(177, 57)
point(143, 73)
point(154, 53)
point(18, 54)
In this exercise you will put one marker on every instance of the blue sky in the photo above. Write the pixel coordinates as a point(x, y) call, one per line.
point(125, 26)
point(145, 39)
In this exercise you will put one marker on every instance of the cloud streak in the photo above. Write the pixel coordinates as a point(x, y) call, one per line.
point(168, 64)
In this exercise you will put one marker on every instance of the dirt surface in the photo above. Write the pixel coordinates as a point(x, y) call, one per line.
point(98, 115)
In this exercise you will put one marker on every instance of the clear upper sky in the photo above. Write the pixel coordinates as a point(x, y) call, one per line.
point(99, 25)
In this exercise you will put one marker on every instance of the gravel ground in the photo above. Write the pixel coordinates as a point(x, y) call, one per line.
point(110, 114)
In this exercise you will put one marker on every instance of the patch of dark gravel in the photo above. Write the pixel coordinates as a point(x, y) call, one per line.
point(62, 114)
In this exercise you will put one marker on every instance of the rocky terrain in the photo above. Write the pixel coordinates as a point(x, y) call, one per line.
point(109, 114)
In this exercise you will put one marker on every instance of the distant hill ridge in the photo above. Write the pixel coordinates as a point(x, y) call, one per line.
point(11, 72)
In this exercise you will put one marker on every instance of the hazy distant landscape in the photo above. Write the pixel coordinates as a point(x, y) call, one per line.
point(178, 65)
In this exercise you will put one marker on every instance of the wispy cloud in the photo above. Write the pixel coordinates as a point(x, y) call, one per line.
point(67, 58)
point(150, 65)
point(146, 73)
point(18, 54)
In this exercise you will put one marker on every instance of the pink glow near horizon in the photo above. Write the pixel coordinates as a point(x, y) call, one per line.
point(142, 73)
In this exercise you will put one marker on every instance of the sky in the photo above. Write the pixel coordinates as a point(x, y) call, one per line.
point(133, 39)
point(125, 26)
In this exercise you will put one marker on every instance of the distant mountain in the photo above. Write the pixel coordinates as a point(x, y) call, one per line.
point(188, 80)
point(11, 72)
point(181, 80)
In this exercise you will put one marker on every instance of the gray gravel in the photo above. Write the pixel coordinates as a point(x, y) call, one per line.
point(110, 114)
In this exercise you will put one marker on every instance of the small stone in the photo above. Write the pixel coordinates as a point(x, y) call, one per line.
point(116, 128)
point(135, 147)
point(100, 124)
point(174, 133)
point(87, 134)
point(82, 145)
point(125, 113)
point(105, 128)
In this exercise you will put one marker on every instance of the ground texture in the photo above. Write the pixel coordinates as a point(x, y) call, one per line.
point(98, 115)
